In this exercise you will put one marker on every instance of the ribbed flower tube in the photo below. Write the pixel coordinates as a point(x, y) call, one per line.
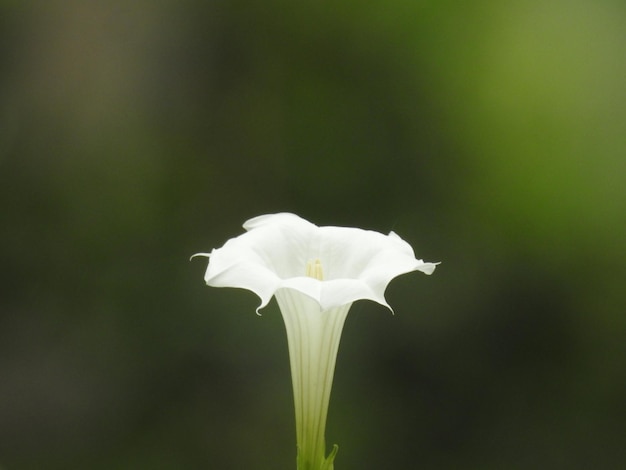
point(313, 337)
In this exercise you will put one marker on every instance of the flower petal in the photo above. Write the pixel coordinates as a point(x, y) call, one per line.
point(274, 252)
point(281, 218)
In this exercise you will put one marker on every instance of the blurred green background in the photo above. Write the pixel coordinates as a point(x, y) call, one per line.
point(490, 135)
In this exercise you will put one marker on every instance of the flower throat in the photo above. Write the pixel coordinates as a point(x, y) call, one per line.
point(314, 269)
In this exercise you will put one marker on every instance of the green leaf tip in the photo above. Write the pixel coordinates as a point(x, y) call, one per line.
point(328, 462)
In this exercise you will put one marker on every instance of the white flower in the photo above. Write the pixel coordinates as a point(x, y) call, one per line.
point(316, 273)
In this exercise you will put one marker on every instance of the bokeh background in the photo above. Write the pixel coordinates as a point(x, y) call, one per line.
point(490, 135)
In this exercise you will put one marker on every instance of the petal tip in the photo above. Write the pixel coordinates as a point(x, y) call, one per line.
point(205, 255)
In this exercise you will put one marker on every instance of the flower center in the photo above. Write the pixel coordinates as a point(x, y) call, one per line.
point(314, 269)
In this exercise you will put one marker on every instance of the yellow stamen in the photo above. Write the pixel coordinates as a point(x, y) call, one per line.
point(314, 269)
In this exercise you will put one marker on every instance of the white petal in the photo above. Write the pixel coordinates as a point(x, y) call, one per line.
point(281, 218)
point(274, 252)
point(248, 276)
